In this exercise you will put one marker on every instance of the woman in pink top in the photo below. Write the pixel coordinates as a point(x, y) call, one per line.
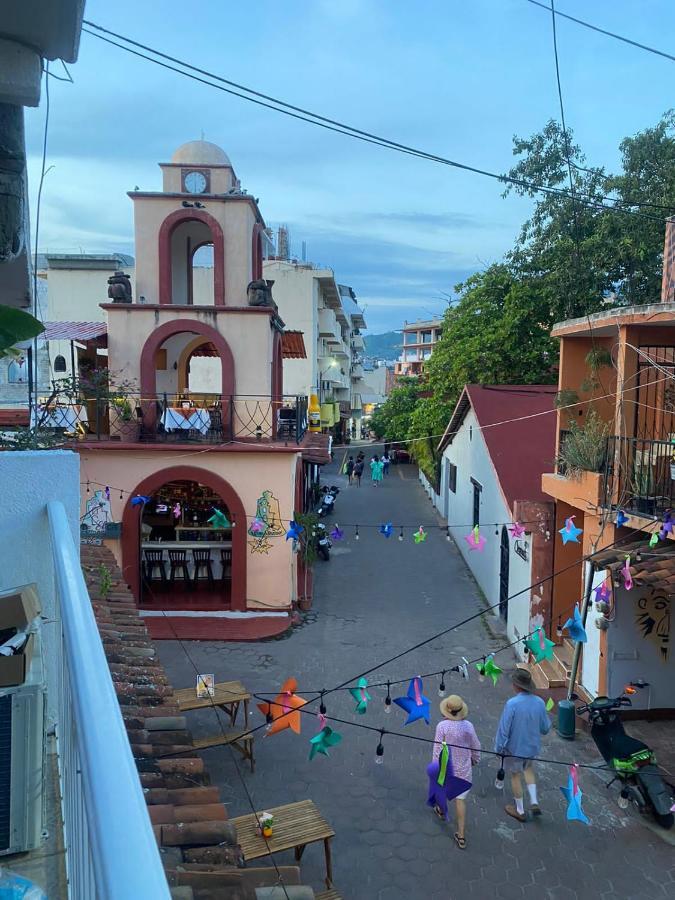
point(464, 747)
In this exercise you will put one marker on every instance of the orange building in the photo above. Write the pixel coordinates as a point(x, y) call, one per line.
point(615, 476)
point(419, 340)
point(193, 417)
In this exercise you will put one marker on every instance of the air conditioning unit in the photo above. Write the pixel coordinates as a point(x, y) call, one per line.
point(22, 747)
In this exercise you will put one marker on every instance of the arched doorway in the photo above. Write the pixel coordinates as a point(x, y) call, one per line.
point(232, 595)
point(181, 235)
point(504, 552)
point(198, 367)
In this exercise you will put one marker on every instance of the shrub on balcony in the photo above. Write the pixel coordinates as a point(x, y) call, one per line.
point(566, 398)
point(584, 449)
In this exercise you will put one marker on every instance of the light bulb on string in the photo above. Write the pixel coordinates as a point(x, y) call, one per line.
point(624, 798)
point(121, 497)
point(88, 487)
point(356, 533)
point(379, 751)
point(387, 700)
point(233, 521)
point(400, 534)
point(638, 557)
point(441, 686)
point(322, 705)
point(559, 628)
point(497, 529)
point(448, 536)
point(269, 720)
point(481, 676)
point(499, 780)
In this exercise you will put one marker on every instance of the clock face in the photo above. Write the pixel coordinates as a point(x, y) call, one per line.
point(195, 182)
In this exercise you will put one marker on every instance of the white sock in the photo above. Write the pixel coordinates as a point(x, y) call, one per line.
point(532, 791)
point(519, 806)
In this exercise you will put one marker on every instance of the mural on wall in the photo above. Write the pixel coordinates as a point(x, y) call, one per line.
point(99, 514)
point(653, 619)
point(266, 524)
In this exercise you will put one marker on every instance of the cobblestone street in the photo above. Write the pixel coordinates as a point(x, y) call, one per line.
point(372, 599)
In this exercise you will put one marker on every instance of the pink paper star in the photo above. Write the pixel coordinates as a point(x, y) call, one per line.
point(517, 530)
point(475, 540)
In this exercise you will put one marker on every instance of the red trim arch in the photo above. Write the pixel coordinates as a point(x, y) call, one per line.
point(185, 326)
point(131, 526)
point(257, 253)
point(167, 228)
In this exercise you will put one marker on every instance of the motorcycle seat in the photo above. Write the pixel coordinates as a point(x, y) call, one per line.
point(624, 746)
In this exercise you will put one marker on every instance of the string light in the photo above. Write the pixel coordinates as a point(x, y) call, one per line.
point(379, 751)
point(356, 533)
point(499, 780)
point(88, 491)
point(558, 627)
point(481, 677)
point(387, 699)
point(624, 798)
point(269, 720)
point(441, 686)
point(322, 705)
point(400, 534)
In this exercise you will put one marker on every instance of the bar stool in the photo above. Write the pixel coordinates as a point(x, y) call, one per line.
point(154, 559)
point(178, 562)
point(226, 563)
point(202, 560)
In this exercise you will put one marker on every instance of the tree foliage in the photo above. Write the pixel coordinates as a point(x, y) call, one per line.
point(392, 420)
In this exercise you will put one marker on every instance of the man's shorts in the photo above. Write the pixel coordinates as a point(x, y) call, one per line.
point(513, 764)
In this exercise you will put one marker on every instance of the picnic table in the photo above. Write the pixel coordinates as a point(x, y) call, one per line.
point(295, 826)
point(228, 696)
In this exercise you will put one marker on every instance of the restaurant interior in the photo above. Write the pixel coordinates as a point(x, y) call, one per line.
point(186, 542)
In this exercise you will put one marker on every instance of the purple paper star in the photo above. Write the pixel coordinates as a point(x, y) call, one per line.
point(517, 530)
point(602, 593)
point(337, 533)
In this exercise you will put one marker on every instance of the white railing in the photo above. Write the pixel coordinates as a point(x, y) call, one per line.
point(111, 852)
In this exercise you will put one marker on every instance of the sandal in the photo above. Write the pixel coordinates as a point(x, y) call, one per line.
point(460, 841)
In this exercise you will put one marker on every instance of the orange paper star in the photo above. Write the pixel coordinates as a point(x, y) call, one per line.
point(284, 708)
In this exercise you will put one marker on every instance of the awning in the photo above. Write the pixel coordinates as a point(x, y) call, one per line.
point(293, 345)
point(73, 331)
point(314, 448)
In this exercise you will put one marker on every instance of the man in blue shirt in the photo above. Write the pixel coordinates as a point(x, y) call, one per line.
point(524, 720)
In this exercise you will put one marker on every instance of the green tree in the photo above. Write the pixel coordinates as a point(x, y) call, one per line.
point(392, 420)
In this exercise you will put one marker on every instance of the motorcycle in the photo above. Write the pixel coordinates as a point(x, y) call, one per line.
point(323, 542)
point(327, 500)
point(633, 762)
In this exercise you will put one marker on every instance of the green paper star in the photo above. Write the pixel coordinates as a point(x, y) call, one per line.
point(489, 669)
point(534, 645)
point(323, 740)
point(654, 539)
point(420, 536)
point(549, 704)
point(361, 695)
point(219, 519)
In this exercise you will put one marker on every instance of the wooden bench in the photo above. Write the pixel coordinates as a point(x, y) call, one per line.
point(240, 740)
point(329, 895)
point(295, 826)
point(228, 696)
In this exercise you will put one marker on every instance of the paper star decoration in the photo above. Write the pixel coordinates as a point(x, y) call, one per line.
point(517, 530)
point(176, 510)
point(257, 526)
point(489, 669)
point(475, 539)
point(621, 518)
point(575, 627)
point(294, 531)
point(322, 741)
point(573, 795)
point(653, 540)
point(540, 646)
point(218, 519)
point(107, 493)
point(138, 499)
point(420, 535)
point(284, 709)
point(570, 532)
point(444, 785)
point(414, 703)
point(550, 704)
point(602, 593)
point(337, 534)
point(627, 577)
point(387, 530)
point(361, 695)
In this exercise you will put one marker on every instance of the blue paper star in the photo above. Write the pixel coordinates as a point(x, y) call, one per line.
point(575, 627)
point(574, 810)
point(570, 532)
point(294, 531)
point(138, 499)
point(387, 530)
point(621, 518)
point(414, 703)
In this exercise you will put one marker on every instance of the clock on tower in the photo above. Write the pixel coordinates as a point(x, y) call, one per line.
point(196, 181)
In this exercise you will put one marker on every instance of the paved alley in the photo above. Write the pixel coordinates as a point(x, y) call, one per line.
point(374, 598)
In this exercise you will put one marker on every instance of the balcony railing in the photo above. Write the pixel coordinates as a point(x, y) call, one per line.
point(165, 418)
point(638, 476)
point(110, 849)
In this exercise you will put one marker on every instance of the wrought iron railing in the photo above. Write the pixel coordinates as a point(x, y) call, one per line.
point(639, 476)
point(209, 418)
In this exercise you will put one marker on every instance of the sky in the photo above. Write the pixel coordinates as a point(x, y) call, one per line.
point(452, 78)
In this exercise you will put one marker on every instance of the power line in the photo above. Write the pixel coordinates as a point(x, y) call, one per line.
point(611, 34)
point(312, 118)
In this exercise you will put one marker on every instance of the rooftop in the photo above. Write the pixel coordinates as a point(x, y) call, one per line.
point(606, 322)
point(200, 153)
point(422, 323)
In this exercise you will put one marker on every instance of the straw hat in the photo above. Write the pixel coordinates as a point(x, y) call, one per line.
point(454, 708)
point(523, 679)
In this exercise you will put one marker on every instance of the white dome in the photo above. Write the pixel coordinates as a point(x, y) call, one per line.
point(201, 153)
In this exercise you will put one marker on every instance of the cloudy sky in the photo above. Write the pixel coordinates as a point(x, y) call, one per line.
point(453, 78)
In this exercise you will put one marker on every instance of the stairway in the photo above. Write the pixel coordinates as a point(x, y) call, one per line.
point(554, 673)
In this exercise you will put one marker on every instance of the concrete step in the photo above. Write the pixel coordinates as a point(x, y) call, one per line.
point(552, 675)
point(562, 659)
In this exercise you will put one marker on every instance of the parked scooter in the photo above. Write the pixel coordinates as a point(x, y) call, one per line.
point(632, 760)
point(323, 542)
point(327, 500)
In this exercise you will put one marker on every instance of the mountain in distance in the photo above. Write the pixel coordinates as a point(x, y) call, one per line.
point(383, 346)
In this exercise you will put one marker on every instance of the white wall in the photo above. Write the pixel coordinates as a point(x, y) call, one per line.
point(296, 293)
point(29, 479)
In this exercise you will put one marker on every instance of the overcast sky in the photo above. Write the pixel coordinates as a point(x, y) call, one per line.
point(458, 79)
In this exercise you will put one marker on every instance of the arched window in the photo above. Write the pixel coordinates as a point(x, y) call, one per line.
point(17, 371)
point(60, 364)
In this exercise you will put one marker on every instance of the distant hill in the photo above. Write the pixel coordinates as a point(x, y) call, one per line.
point(384, 346)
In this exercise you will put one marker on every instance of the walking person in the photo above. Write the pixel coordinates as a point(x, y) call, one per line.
point(386, 461)
point(358, 470)
point(376, 470)
point(524, 720)
point(349, 469)
point(464, 747)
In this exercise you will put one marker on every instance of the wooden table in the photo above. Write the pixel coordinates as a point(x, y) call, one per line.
point(228, 696)
point(295, 826)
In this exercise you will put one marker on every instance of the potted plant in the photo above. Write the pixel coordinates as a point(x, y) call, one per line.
point(643, 490)
point(584, 449)
point(306, 557)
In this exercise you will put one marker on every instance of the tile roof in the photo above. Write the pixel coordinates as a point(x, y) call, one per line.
point(73, 331)
point(293, 345)
point(521, 442)
point(314, 447)
point(651, 566)
point(198, 844)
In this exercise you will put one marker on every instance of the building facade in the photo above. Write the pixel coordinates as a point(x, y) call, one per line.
point(419, 340)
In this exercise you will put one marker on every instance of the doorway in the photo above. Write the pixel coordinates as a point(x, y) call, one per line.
point(504, 553)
